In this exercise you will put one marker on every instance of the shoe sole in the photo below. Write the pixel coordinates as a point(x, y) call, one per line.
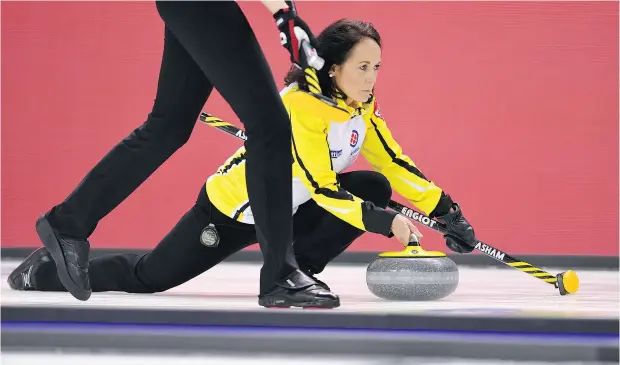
point(279, 302)
point(47, 236)
point(29, 261)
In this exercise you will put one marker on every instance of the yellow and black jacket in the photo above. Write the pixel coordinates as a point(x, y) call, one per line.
point(322, 147)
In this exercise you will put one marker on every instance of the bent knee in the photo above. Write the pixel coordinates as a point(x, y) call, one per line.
point(377, 189)
point(168, 133)
point(384, 190)
point(149, 285)
point(146, 280)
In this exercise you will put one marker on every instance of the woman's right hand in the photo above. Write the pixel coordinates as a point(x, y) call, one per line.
point(403, 229)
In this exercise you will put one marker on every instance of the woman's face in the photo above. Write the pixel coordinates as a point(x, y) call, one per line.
point(356, 77)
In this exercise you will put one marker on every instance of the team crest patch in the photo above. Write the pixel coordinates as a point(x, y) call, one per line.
point(377, 112)
point(354, 138)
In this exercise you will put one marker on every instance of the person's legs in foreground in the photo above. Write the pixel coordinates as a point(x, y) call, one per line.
point(220, 39)
point(181, 93)
point(178, 258)
point(216, 38)
point(320, 236)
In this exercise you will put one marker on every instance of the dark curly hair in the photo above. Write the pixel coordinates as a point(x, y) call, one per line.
point(334, 45)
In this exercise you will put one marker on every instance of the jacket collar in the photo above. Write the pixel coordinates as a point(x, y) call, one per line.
point(356, 108)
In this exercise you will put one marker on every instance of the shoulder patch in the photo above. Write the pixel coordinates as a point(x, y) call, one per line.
point(377, 111)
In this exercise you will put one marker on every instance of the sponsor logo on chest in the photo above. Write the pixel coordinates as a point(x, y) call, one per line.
point(335, 154)
point(351, 133)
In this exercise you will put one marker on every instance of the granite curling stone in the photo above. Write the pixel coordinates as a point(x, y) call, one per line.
point(412, 275)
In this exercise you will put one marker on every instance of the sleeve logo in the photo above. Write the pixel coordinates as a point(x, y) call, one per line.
point(377, 112)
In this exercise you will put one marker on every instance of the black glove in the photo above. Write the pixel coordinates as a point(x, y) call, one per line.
point(460, 236)
point(457, 245)
point(292, 31)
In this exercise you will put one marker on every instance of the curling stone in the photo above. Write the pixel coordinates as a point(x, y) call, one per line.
point(412, 275)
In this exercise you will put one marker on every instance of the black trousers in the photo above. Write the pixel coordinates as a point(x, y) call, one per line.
point(207, 44)
point(180, 256)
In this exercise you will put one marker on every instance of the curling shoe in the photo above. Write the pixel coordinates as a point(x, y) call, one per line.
point(71, 257)
point(299, 290)
point(22, 278)
point(318, 282)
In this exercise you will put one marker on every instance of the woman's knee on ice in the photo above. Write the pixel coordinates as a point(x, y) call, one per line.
point(149, 282)
point(124, 273)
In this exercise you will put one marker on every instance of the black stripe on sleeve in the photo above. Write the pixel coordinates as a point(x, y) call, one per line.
point(397, 161)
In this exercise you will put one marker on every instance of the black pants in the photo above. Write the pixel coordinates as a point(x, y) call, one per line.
point(207, 44)
point(319, 238)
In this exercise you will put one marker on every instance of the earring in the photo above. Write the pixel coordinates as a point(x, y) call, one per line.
point(331, 75)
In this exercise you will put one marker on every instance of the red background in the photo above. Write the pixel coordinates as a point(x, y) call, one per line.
point(511, 107)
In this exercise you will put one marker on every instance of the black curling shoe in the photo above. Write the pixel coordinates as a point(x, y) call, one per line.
point(299, 290)
point(71, 257)
point(22, 278)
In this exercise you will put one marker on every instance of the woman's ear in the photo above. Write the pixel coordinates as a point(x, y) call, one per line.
point(332, 70)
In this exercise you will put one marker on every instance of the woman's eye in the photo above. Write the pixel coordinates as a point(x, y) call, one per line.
point(364, 67)
point(377, 67)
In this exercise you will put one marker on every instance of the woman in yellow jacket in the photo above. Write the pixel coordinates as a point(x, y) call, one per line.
point(331, 209)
